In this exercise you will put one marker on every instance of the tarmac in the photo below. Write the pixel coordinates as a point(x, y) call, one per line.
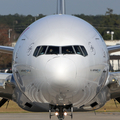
point(76, 116)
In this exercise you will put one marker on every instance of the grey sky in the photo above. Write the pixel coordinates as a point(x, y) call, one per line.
point(47, 7)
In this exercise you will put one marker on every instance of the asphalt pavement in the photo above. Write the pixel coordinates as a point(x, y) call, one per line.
point(76, 116)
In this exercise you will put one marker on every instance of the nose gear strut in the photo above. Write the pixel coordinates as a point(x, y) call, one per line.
point(61, 111)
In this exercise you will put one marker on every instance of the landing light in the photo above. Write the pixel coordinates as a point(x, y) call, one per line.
point(56, 113)
point(65, 113)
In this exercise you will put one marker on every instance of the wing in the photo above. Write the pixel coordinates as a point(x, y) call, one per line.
point(114, 48)
point(6, 49)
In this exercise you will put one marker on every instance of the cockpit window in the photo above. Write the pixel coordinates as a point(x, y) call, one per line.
point(53, 50)
point(81, 50)
point(42, 50)
point(36, 51)
point(67, 50)
point(78, 50)
point(84, 50)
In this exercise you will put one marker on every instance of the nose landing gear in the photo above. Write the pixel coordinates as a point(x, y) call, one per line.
point(61, 111)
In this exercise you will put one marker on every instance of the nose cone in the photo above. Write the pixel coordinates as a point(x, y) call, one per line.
point(60, 72)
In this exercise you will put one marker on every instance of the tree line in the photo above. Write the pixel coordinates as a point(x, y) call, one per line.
point(103, 23)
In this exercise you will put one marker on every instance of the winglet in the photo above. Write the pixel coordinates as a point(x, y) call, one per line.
point(61, 7)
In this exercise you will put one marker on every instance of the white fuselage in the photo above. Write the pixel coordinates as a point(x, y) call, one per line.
point(60, 78)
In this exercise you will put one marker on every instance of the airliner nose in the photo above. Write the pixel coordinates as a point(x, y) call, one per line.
point(61, 72)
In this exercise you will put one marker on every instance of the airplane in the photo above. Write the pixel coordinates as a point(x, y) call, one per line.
point(60, 65)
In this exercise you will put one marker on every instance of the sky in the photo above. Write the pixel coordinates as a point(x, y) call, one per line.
point(48, 7)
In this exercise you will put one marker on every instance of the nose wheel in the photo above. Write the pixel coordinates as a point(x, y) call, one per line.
point(61, 111)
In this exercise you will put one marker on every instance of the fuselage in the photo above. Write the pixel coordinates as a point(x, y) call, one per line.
point(60, 78)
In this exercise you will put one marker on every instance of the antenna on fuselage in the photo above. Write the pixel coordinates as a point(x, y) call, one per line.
point(60, 7)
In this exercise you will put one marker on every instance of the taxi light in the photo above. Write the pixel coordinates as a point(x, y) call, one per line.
point(113, 80)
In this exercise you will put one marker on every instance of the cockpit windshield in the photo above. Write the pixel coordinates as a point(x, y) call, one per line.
point(49, 50)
